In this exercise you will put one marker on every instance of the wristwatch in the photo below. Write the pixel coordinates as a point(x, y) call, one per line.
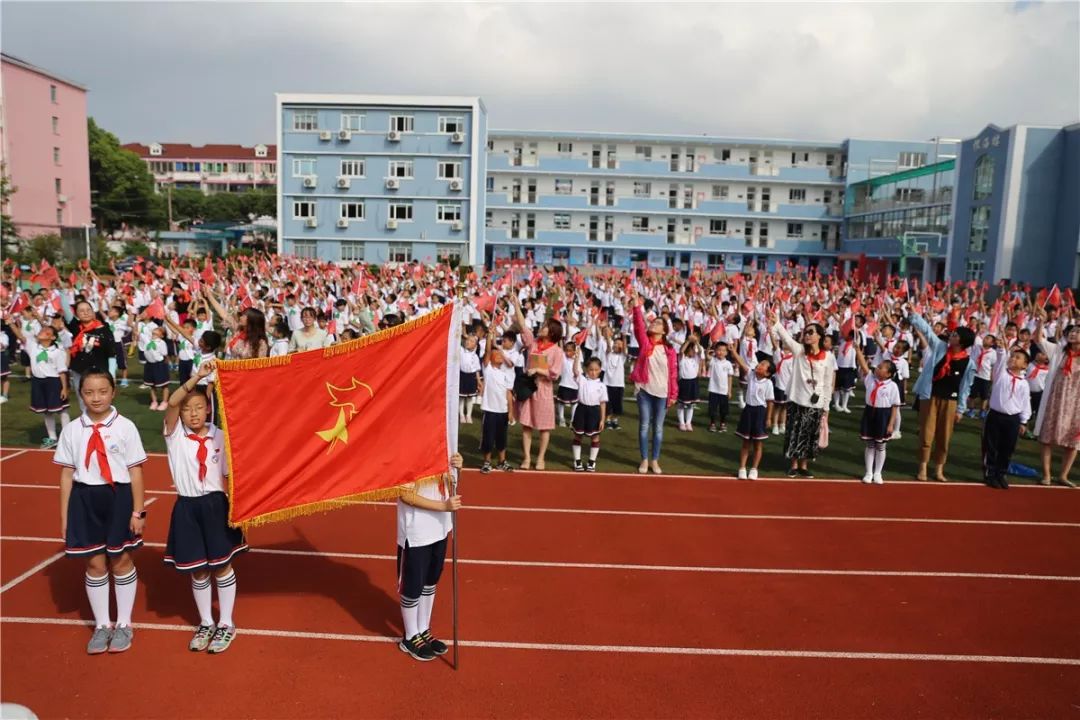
point(139, 515)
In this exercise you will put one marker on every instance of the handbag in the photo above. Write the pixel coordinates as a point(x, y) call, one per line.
point(524, 387)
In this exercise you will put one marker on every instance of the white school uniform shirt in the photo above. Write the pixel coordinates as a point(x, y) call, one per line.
point(748, 348)
point(1036, 377)
point(199, 360)
point(119, 328)
point(888, 394)
point(720, 372)
point(184, 461)
point(845, 353)
point(759, 392)
point(515, 356)
point(614, 365)
point(497, 381)
point(1010, 393)
point(568, 379)
point(64, 338)
point(184, 349)
point(123, 448)
point(784, 360)
point(155, 350)
point(592, 392)
point(468, 361)
point(420, 527)
point(200, 328)
point(689, 367)
point(280, 347)
point(903, 368)
point(30, 328)
point(984, 360)
point(46, 362)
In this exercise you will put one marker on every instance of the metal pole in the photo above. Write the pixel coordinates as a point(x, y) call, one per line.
point(86, 232)
point(454, 522)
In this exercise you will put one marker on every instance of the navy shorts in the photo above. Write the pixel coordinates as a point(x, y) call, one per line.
point(493, 435)
point(419, 567)
point(121, 356)
point(99, 519)
point(45, 395)
point(156, 374)
point(199, 533)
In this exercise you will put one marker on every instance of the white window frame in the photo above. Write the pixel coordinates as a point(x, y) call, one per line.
point(456, 121)
point(974, 270)
point(643, 153)
point(564, 186)
point(718, 226)
point(796, 196)
point(405, 251)
point(407, 167)
point(348, 124)
point(356, 206)
point(564, 147)
point(355, 248)
point(353, 165)
point(721, 192)
point(302, 118)
point(642, 189)
point(306, 249)
point(447, 212)
point(403, 123)
point(454, 166)
point(795, 230)
point(407, 206)
point(299, 204)
point(298, 164)
point(562, 221)
point(640, 223)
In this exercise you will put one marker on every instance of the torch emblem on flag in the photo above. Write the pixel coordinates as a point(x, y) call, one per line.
point(348, 400)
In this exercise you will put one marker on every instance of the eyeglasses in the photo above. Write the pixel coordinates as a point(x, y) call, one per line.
point(809, 331)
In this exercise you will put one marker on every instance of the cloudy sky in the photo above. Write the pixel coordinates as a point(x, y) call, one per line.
point(207, 72)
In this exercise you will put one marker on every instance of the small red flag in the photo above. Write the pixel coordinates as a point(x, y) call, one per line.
point(1054, 298)
point(156, 309)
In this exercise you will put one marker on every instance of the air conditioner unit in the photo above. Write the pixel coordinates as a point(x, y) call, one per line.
point(456, 184)
point(393, 136)
point(312, 222)
point(311, 181)
point(344, 135)
point(392, 183)
point(326, 136)
point(343, 183)
point(61, 199)
point(343, 223)
point(457, 137)
point(457, 226)
point(391, 224)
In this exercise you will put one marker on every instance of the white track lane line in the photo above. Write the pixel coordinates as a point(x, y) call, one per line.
point(642, 567)
point(14, 454)
point(683, 515)
point(632, 475)
point(623, 649)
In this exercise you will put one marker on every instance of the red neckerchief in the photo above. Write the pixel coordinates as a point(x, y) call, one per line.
point(950, 355)
point(783, 357)
point(1012, 387)
point(1036, 369)
point(201, 453)
point(77, 343)
point(543, 344)
point(978, 360)
point(874, 391)
point(816, 357)
point(1066, 367)
point(242, 335)
point(96, 446)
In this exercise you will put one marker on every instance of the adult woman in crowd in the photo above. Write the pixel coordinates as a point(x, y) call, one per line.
point(91, 345)
point(538, 411)
point(656, 377)
point(248, 331)
point(1058, 421)
point(810, 389)
point(310, 336)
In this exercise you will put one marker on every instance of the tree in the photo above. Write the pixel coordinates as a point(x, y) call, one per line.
point(9, 234)
point(120, 183)
point(43, 247)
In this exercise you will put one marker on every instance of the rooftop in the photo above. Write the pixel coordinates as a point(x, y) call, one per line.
point(184, 151)
point(18, 62)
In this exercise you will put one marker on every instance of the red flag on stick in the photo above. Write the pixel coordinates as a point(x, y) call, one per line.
point(156, 309)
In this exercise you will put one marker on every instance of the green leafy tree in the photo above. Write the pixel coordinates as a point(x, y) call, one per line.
point(224, 207)
point(9, 235)
point(120, 183)
point(43, 247)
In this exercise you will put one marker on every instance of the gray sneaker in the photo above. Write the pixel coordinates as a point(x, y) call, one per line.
point(99, 641)
point(121, 639)
point(202, 638)
point(222, 639)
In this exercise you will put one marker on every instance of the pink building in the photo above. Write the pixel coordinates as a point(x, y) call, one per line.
point(210, 168)
point(44, 148)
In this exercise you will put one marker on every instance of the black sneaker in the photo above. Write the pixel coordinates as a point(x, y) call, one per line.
point(806, 474)
point(591, 466)
point(437, 646)
point(578, 467)
point(416, 647)
point(792, 472)
point(616, 426)
point(485, 468)
point(506, 467)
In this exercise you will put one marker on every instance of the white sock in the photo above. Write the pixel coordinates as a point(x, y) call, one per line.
point(573, 409)
point(879, 458)
point(427, 602)
point(836, 398)
point(742, 398)
point(690, 415)
point(576, 450)
point(50, 425)
point(97, 590)
point(868, 455)
point(469, 403)
point(125, 587)
point(64, 419)
point(847, 397)
point(461, 407)
point(594, 451)
point(203, 599)
point(226, 597)
point(681, 414)
point(410, 616)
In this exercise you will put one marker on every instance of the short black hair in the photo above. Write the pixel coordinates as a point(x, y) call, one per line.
point(211, 339)
point(96, 372)
point(966, 335)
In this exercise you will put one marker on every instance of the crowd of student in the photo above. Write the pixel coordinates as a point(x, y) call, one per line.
point(541, 348)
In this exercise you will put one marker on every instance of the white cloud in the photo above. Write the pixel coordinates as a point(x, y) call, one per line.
point(206, 72)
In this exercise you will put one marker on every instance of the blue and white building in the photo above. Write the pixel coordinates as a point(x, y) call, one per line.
point(381, 178)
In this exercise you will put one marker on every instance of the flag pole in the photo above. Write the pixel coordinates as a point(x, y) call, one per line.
point(454, 521)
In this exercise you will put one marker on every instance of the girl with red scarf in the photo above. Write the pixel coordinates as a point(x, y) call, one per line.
point(1058, 422)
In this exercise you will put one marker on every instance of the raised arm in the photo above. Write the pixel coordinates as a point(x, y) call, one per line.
point(226, 318)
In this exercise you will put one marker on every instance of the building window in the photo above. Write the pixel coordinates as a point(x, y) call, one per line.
point(450, 254)
point(450, 125)
point(715, 261)
point(911, 159)
point(640, 223)
point(565, 148)
point(669, 259)
point(59, 216)
point(155, 149)
point(304, 120)
point(722, 154)
point(980, 228)
point(639, 256)
point(401, 169)
point(607, 257)
point(352, 211)
point(449, 169)
point(643, 152)
point(302, 167)
point(58, 190)
point(162, 167)
point(718, 227)
point(720, 192)
point(749, 234)
point(352, 121)
point(794, 230)
point(352, 251)
point(401, 211)
point(52, 94)
point(642, 189)
point(592, 256)
point(55, 125)
point(973, 270)
point(560, 256)
point(796, 195)
point(984, 177)
point(489, 219)
point(402, 123)
point(400, 253)
point(448, 212)
point(302, 209)
point(562, 221)
point(260, 151)
point(564, 186)
point(304, 250)
point(490, 184)
point(352, 168)
point(56, 156)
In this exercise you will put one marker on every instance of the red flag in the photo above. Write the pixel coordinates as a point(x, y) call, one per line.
point(995, 321)
point(485, 303)
point(579, 339)
point(718, 331)
point(847, 327)
point(208, 273)
point(55, 302)
point(1054, 298)
point(337, 413)
point(156, 309)
point(22, 300)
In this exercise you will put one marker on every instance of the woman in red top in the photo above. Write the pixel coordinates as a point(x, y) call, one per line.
point(656, 377)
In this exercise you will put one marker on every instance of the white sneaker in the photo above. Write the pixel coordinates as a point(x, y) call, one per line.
point(3, 399)
point(847, 410)
point(878, 480)
point(742, 474)
point(752, 475)
point(868, 478)
point(643, 467)
point(896, 435)
point(783, 430)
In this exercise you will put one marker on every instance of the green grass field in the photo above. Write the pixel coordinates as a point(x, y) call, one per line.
point(697, 453)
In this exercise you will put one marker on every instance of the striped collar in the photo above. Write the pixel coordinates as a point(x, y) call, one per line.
point(87, 422)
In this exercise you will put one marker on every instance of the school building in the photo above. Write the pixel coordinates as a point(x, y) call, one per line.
point(209, 168)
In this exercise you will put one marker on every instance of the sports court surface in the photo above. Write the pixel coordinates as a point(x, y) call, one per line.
point(585, 595)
